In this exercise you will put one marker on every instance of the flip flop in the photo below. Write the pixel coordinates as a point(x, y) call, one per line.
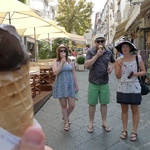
point(106, 128)
point(124, 135)
point(90, 129)
point(68, 122)
point(133, 137)
point(66, 128)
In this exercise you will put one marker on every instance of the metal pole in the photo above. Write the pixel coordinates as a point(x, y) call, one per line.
point(35, 46)
point(9, 18)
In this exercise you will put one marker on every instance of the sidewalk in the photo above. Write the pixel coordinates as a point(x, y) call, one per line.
point(77, 138)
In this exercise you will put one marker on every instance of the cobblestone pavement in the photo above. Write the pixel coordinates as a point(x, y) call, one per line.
point(77, 138)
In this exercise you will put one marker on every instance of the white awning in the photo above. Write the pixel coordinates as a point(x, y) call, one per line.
point(133, 16)
point(120, 30)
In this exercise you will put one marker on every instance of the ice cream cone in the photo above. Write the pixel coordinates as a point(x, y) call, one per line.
point(16, 107)
point(100, 47)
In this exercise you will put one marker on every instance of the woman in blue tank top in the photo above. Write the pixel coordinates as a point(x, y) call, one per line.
point(65, 85)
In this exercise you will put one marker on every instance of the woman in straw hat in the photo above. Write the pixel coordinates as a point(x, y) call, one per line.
point(129, 89)
point(65, 85)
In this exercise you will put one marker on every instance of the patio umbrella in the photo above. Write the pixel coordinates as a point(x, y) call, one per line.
point(51, 28)
point(21, 16)
point(45, 32)
point(77, 38)
point(74, 37)
point(52, 36)
point(8, 6)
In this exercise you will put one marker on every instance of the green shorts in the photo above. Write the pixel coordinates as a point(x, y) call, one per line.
point(98, 92)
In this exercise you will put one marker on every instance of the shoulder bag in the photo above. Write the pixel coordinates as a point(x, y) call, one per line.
point(144, 86)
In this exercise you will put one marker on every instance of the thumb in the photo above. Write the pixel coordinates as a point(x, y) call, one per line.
point(33, 139)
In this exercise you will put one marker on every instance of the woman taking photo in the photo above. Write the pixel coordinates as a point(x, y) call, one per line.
point(65, 85)
point(129, 89)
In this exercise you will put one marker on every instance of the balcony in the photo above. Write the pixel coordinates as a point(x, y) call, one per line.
point(134, 2)
point(117, 17)
point(112, 26)
point(99, 27)
point(111, 6)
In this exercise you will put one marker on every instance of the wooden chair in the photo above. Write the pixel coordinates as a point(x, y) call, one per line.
point(35, 80)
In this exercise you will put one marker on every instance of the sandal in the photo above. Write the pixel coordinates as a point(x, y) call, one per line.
point(68, 122)
point(124, 135)
point(106, 128)
point(90, 129)
point(133, 137)
point(66, 128)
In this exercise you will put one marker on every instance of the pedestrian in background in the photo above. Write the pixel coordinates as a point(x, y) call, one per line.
point(74, 53)
point(87, 48)
point(97, 59)
point(65, 85)
point(129, 89)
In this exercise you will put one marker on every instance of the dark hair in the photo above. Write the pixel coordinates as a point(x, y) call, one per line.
point(88, 45)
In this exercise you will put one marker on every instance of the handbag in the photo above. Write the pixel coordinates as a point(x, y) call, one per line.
point(144, 86)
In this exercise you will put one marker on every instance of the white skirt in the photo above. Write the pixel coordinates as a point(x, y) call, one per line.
point(129, 87)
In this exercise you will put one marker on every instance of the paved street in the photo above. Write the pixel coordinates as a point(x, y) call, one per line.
point(77, 138)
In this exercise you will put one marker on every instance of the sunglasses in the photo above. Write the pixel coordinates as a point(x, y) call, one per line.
point(62, 51)
point(100, 41)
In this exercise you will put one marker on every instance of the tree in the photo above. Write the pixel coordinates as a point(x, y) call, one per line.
point(23, 1)
point(75, 17)
point(44, 50)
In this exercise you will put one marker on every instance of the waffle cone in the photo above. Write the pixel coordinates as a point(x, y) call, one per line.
point(16, 107)
point(100, 46)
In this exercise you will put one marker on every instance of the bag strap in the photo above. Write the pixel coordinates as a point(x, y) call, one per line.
point(138, 67)
point(137, 62)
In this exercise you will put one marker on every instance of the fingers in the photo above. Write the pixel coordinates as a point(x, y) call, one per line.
point(63, 59)
point(33, 139)
point(120, 62)
point(48, 148)
point(100, 52)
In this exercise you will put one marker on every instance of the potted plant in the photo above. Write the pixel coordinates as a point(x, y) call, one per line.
point(80, 62)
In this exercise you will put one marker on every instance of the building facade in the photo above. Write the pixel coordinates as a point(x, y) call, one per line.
point(46, 8)
point(126, 19)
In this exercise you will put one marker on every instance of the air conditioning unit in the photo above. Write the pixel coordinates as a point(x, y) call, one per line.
point(136, 1)
point(141, 23)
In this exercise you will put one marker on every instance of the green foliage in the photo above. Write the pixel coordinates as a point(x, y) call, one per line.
point(23, 1)
point(44, 50)
point(75, 17)
point(56, 43)
point(80, 60)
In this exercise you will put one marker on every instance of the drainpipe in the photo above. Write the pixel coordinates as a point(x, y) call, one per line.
point(144, 33)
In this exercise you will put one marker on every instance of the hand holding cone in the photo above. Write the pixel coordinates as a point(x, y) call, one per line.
point(100, 47)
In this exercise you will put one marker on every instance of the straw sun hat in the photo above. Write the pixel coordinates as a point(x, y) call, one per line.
point(61, 46)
